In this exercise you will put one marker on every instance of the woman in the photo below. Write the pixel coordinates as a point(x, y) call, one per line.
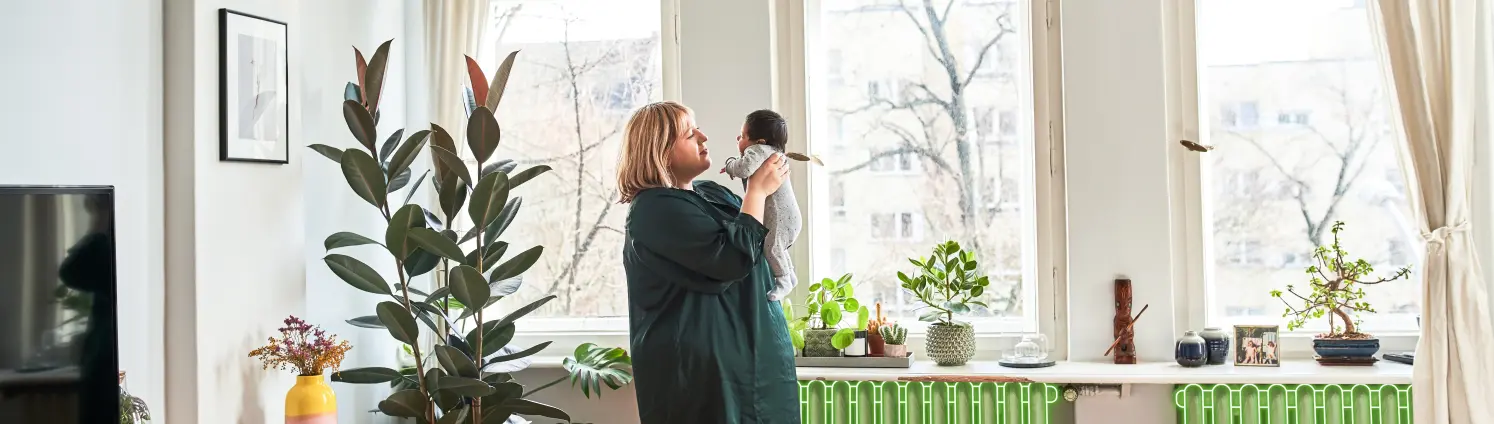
point(708, 346)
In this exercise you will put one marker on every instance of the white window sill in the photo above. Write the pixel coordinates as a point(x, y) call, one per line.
point(1290, 372)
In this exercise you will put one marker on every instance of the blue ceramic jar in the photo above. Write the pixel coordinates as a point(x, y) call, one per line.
point(1190, 350)
point(1217, 343)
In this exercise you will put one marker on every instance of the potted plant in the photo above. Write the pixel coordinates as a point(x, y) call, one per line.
point(828, 303)
point(874, 341)
point(949, 282)
point(308, 351)
point(132, 410)
point(895, 336)
point(1337, 285)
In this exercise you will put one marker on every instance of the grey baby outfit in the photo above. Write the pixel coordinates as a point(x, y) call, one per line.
point(780, 215)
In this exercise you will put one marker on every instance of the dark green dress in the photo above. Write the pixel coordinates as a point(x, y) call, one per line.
point(708, 346)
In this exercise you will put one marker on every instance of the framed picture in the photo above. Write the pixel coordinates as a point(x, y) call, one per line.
point(1257, 345)
point(253, 112)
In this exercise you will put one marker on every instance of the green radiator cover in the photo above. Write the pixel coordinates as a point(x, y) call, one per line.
point(1293, 403)
point(904, 402)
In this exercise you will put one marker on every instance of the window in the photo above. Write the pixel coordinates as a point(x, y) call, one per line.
point(941, 154)
point(571, 121)
point(1276, 194)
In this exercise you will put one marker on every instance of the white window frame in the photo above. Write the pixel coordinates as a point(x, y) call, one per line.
point(796, 28)
point(1192, 309)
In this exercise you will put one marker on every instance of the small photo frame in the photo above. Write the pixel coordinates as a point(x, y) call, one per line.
point(1257, 345)
point(253, 95)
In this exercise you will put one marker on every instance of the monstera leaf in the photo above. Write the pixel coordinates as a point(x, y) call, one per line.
point(594, 366)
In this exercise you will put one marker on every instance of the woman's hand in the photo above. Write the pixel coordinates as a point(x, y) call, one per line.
point(771, 175)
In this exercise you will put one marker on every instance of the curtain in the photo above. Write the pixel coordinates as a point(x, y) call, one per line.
point(1429, 49)
point(453, 28)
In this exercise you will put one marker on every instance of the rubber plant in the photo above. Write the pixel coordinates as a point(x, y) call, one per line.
point(1337, 286)
point(948, 282)
point(464, 363)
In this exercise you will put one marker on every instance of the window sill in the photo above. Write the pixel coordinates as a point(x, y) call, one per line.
point(1290, 372)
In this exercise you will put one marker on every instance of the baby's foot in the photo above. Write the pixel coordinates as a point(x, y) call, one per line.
point(783, 284)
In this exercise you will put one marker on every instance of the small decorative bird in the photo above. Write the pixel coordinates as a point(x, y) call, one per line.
point(1195, 146)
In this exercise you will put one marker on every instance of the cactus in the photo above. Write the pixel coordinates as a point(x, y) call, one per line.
point(893, 333)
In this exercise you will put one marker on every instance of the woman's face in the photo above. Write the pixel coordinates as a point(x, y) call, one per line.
point(689, 157)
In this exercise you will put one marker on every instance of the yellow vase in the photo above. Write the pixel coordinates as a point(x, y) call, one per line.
point(311, 401)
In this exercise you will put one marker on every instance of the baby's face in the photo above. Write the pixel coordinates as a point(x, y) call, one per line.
point(743, 141)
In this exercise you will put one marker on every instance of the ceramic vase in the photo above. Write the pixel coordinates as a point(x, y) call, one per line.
point(875, 345)
point(950, 344)
point(1190, 350)
point(1217, 343)
point(311, 401)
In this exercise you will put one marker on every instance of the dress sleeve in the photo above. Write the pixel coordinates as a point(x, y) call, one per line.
point(706, 253)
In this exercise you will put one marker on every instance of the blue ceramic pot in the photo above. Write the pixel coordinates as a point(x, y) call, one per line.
point(1362, 348)
point(1190, 350)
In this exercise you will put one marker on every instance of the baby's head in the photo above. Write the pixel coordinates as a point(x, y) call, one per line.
point(763, 127)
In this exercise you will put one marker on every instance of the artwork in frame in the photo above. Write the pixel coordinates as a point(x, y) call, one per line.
point(1257, 345)
point(254, 113)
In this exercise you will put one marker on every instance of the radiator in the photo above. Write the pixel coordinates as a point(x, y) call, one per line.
point(1293, 403)
point(903, 402)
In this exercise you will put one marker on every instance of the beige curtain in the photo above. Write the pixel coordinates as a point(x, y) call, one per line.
point(1429, 47)
point(453, 28)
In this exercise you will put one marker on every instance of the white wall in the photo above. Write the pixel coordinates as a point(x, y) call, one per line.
point(80, 101)
point(245, 239)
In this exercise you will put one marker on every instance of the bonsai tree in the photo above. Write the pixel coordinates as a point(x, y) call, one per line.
point(463, 360)
point(947, 283)
point(828, 300)
point(1337, 289)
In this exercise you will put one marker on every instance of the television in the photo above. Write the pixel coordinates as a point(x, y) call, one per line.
point(59, 354)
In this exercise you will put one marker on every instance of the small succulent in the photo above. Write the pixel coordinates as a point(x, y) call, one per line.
point(893, 333)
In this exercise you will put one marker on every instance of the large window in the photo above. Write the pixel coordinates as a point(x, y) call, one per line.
point(1300, 117)
point(929, 118)
point(584, 66)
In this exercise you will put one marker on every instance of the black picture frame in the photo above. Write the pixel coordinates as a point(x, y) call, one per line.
point(228, 143)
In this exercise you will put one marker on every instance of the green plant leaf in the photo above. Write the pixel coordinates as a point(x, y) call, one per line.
point(528, 174)
point(495, 336)
point(364, 176)
point(365, 375)
point(830, 315)
point(595, 365)
point(845, 291)
point(431, 241)
point(453, 163)
point(346, 239)
point(455, 416)
point(512, 363)
point(500, 82)
point(517, 355)
point(500, 225)
point(814, 287)
point(504, 391)
point(957, 307)
point(505, 166)
point(390, 144)
point(330, 152)
point(529, 407)
point(843, 338)
point(373, 79)
point(851, 304)
point(399, 181)
point(414, 188)
point(517, 264)
point(369, 321)
point(514, 316)
point(483, 133)
point(797, 337)
point(408, 151)
point(932, 315)
point(400, 323)
point(452, 194)
point(352, 92)
point(361, 124)
point(468, 286)
point(862, 316)
point(404, 403)
point(357, 274)
point(421, 262)
point(455, 362)
point(488, 199)
point(507, 287)
point(397, 236)
point(494, 252)
point(977, 291)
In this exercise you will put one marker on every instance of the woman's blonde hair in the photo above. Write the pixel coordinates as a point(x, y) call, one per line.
point(643, 161)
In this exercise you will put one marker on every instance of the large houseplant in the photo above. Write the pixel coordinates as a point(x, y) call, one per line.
point(948, 283)
point(463, 359)
point(817, 334)
point(1337, 291)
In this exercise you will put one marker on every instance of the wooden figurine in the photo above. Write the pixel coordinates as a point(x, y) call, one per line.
point(1125, 352)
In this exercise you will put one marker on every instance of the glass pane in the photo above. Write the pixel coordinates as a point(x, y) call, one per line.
point(584, 66)
point(1274, 187)
point(921, 162)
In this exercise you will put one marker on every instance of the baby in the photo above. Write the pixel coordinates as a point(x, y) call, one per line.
point(764, 134)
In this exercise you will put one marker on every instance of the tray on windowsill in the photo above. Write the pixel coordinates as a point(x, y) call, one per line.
point(856, 362)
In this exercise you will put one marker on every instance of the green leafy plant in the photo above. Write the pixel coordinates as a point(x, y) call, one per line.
point(465, 375)
point(132, 410)
point(949, 282)
point(829, 301)
point(1337, 291)
point(593, 366)
point(893, 333)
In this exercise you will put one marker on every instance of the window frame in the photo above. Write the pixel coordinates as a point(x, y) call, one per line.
point(1192, 239)
point(797, 30)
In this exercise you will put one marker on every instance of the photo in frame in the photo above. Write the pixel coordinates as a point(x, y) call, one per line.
point(1257, 345)
point(253, 95)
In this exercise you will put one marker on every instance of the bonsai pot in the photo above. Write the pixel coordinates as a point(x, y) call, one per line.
point(1346, 348)
point(895, 351)
point(817, 343)
point(950, 344)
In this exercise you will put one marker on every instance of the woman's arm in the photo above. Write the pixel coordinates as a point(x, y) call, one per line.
point(677, 237)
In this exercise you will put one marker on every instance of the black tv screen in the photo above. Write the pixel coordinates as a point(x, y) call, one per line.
point(59, 356)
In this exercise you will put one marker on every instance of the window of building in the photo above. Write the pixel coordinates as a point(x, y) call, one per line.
point(1277, 194)
point(899, 226)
